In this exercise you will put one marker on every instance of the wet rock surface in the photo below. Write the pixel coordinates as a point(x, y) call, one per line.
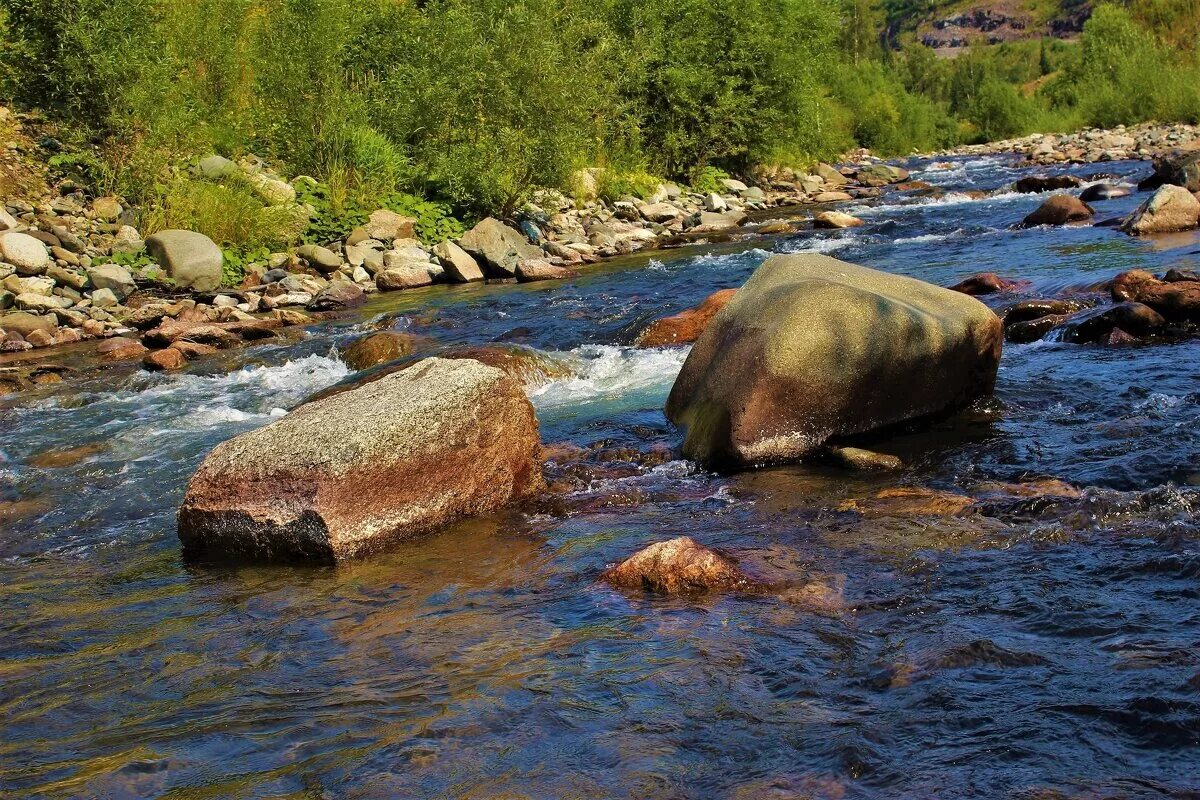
point(790, 361)
point(441, 440)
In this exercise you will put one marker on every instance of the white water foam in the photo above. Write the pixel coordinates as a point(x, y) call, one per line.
point(607, 372)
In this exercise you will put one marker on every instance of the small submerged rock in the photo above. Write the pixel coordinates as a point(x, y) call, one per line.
point(380, 348)
point(859, 460)
point(984, 283)
point(680, 566)
point(1042, 183)
point(910, 501)
point(686, 326)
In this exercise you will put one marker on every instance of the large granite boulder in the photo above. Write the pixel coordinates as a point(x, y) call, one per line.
point(499, 247)
point(1170, 208)
point(346, 475)
point(813, 349)
point(191, 259)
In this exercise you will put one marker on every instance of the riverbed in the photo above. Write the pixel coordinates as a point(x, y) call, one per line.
point(1043, 648)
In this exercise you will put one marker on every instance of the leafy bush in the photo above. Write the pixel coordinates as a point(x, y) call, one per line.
point(724, 82)
point(708, 179)
point(1124, 75)
point(882, 115)
point(612, 184)
point(228, 212)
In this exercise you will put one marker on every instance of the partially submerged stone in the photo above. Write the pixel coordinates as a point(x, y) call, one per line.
point(983, 283)
point(679, 566)
point(860, 460)
point(1171, 208)
point(379, 348)
point(910, 501)
point(686, 326)
point(836, 219)
point(1061, 209)
point(349, 474)
point(800, 354)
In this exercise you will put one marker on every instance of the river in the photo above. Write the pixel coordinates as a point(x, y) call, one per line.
point(1043, 649)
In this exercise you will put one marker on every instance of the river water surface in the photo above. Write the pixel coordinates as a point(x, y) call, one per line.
point(1040, 649)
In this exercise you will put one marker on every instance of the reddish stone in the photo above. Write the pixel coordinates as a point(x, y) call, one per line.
point(984, 283)
point(679, 566)
point(686, 326)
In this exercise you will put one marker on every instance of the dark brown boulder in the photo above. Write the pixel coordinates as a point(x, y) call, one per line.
point(686, 326)
point(379, 348)
point(1043, 183)
point(347, 475)
point(1095, 326)
point(1031, 330)
point(984, 283)
point(338, 295)
point(799, 354)
point(1027, 310)
point(167, 360)
point(1178, 300)
point(1060, 209)
point(1178, 167)
point(680, 566)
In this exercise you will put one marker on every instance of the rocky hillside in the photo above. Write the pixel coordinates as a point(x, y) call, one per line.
point(953, 25)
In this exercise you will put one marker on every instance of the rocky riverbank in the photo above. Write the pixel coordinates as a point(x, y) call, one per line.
point(75, 267)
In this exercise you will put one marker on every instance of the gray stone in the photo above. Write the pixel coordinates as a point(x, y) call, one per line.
point(114, 277)
point(215, 167)
point(104, 298)
point(459, 265)
point(30, 285)
point(40, 302)
point(498, 246)
point(191, 259)
point(24, 252)
point(321, 258)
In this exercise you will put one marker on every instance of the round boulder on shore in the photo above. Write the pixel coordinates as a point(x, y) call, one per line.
point(813, 349)
point(191, 259)
point(436, 442)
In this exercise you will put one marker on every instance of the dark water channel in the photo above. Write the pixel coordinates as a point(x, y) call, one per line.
point(1043, 649)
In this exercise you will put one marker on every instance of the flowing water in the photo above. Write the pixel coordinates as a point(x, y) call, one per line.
point(1041, 648)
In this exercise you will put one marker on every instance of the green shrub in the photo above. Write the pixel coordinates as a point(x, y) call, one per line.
point(708, 179)
point(612, 184)
point(227, 212)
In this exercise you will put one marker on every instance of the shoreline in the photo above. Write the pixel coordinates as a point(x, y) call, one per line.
point(58, 315)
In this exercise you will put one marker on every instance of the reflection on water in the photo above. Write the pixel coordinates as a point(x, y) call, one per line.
point(1027, 647)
